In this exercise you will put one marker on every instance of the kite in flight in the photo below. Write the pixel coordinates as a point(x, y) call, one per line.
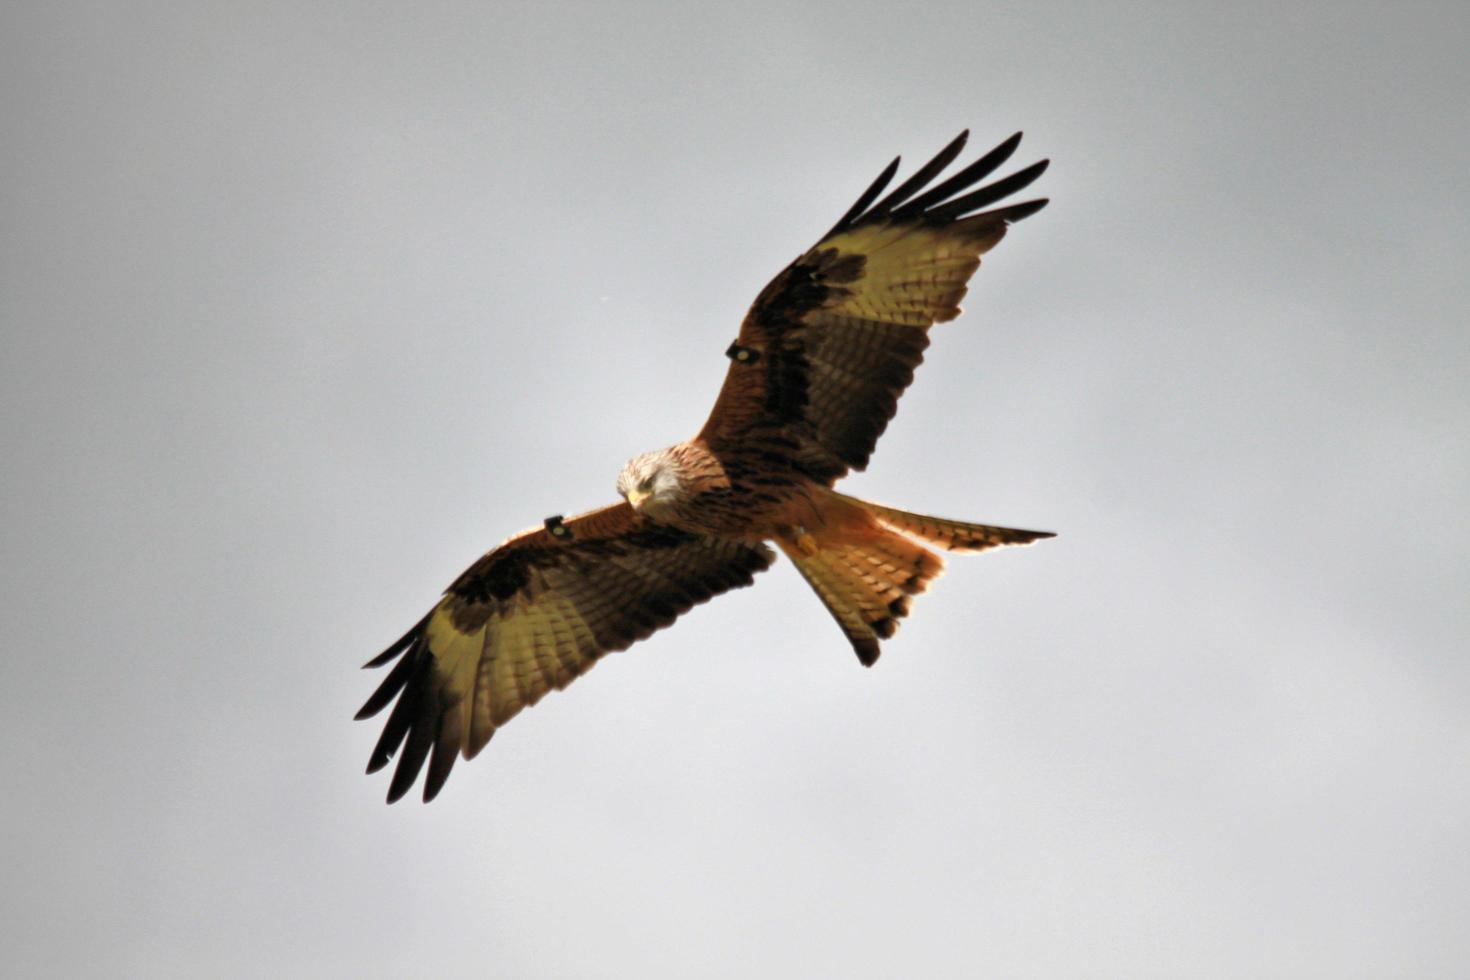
point(814, 377)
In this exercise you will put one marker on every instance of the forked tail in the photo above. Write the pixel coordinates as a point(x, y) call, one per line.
point(863, 563)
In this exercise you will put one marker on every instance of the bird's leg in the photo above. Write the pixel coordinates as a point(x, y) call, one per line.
point(804, 541)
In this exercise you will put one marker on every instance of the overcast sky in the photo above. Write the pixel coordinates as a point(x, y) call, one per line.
point(307, 305)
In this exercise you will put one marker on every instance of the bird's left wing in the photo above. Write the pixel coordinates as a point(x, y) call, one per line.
point(832, 342)
point(532, 615)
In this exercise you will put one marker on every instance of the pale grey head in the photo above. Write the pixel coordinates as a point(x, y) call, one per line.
point(651, 482)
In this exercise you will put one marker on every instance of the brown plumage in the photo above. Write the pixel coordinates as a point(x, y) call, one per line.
point(815, 375)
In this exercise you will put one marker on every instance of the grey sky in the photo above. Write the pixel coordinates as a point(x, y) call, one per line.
point(306, 305)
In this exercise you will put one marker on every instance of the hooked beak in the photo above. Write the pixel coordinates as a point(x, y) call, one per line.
point(637, 496)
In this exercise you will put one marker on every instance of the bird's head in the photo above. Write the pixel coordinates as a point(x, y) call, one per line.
point(651, 482)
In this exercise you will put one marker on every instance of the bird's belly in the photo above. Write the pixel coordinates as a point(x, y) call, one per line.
point(749, 513)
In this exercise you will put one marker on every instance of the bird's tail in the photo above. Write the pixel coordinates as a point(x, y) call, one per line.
point(863, 563)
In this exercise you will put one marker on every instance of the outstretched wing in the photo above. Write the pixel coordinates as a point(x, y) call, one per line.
point(532, 615)
point(832, 342)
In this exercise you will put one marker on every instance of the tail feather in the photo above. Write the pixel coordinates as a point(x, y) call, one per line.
point(948, 534)
point(864, 563)
point(865, 581)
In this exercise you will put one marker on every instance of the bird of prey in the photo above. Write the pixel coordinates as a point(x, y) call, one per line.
point(815, 374)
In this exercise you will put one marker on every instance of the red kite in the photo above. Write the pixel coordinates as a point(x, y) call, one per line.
point(815, 375)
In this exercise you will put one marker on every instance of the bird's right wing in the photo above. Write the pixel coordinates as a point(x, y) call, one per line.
point(832, 342)
point(532, 615)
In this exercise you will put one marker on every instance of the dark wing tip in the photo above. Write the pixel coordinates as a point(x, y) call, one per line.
point(401, 644)
point(1015, 212)
point(867, 197)
point(919, 179)
point(966, 204)
point(411, 723)
point(399, 677)
point(420, 740)
point(446, 751)
point(938, 204)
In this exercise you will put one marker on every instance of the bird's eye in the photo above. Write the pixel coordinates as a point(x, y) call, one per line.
point(646, 486)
